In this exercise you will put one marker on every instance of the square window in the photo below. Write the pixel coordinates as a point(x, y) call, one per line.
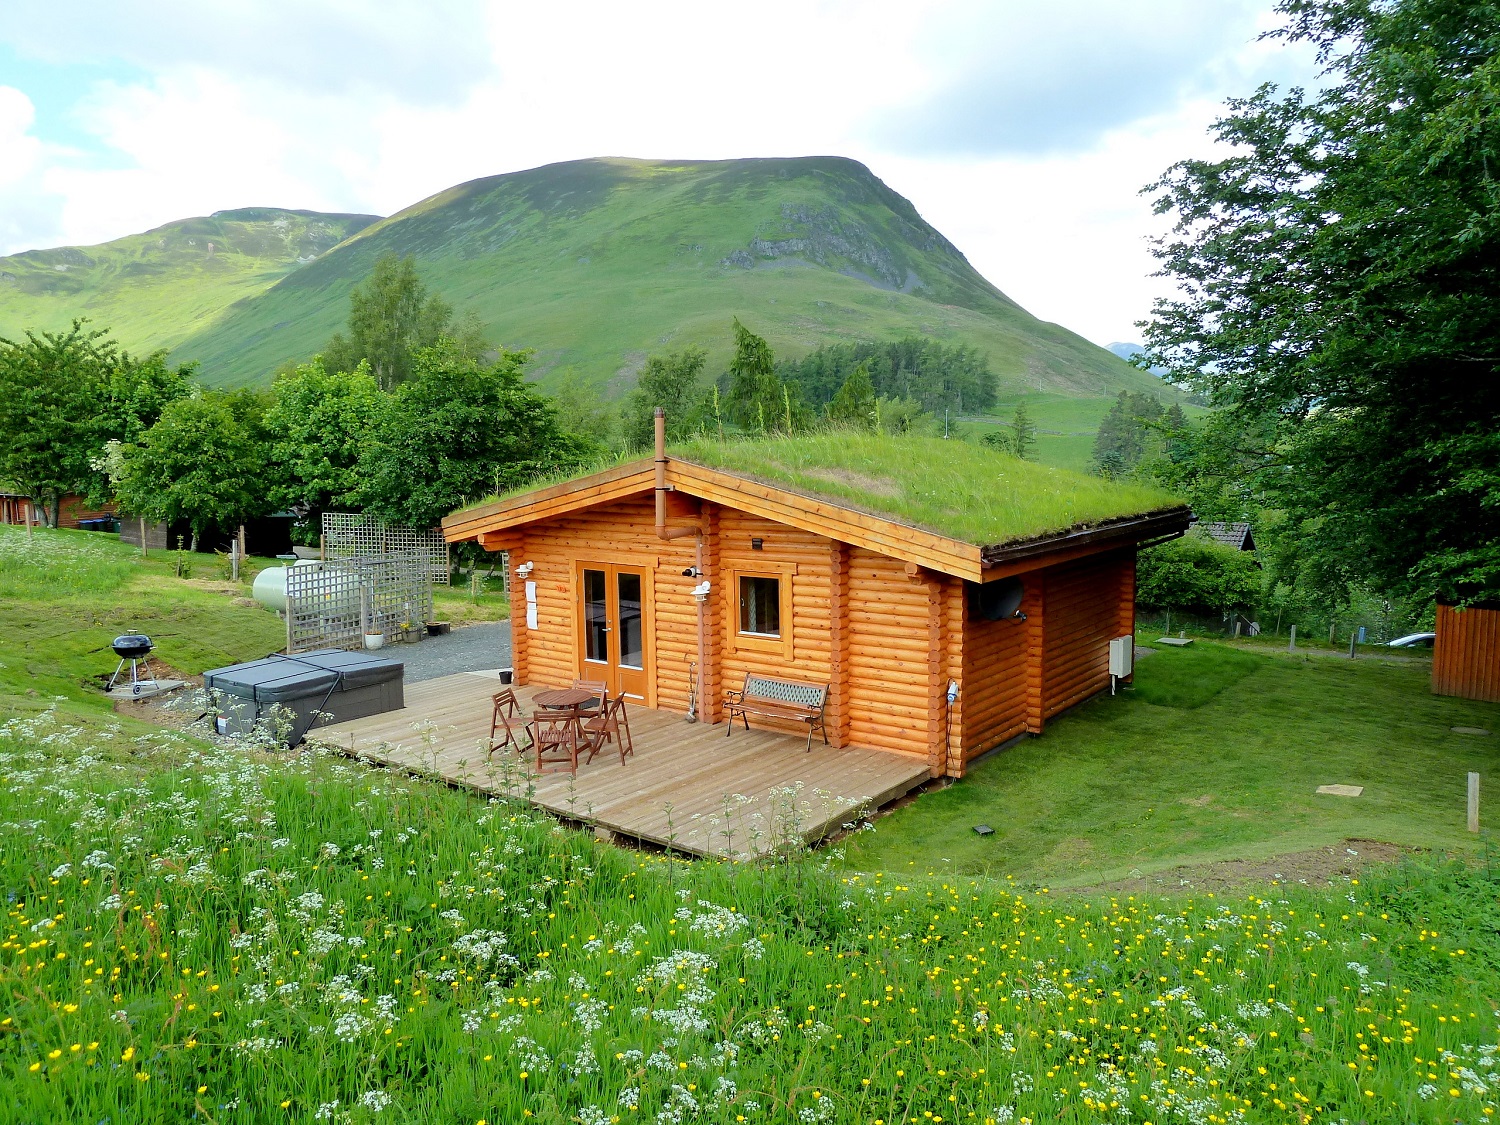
point(760, 606)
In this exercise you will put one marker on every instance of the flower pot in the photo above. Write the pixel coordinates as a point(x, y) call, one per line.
point(374, 640)
point(438, 628)
point(507, 675)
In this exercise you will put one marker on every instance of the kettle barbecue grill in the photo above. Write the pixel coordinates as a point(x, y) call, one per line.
point(133, 649)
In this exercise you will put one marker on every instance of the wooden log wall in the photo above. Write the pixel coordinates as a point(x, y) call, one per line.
point(890, 675)
point(1466, 655)
point(792, 555)
point(1083, 614)
point(995, 679)
point(623, 533)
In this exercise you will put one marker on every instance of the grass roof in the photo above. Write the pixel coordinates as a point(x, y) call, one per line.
point(958, 489)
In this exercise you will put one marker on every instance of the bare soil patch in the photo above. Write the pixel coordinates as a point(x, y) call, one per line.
point(1314, 867)
point(876, 486)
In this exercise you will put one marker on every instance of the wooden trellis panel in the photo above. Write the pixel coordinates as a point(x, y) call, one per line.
point(333, 604)
point(353, 535)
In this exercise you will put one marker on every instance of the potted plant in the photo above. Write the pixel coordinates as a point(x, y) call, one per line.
point(374, 640)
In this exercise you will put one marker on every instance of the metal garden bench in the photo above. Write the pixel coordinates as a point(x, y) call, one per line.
point(787, 700)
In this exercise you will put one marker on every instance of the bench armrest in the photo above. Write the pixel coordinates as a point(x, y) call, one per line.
point(734, 695)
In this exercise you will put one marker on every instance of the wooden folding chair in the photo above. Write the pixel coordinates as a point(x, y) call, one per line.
point(610, 725)
point(599, 688)
point(505, 717)
point(557, 736)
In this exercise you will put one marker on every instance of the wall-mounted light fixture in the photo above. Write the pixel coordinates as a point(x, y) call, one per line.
point(757, 544)
point(701, 590)
point(524, 570)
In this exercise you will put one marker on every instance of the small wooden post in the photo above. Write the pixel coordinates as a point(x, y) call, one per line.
point(27, 508)
point(1236, 628)
point(241, 540)
point(234, 560)
point(1333, 637)
point(143, 537)
point(1291, 644)
point(1473, 802)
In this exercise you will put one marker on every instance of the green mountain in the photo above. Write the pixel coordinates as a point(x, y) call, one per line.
point(155, 290)
point(597, 263)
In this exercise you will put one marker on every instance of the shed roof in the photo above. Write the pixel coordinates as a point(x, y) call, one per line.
point(1236, 535)
point(950, 505)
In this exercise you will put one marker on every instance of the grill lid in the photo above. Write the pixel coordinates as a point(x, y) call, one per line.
point(130, 645)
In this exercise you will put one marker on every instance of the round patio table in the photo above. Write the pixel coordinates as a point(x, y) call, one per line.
point(560, 698)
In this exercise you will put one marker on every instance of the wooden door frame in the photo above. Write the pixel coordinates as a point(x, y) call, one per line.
point(611, 564)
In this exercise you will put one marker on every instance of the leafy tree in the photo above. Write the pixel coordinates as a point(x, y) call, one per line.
point(457, 430)
point(63, 396)
point(580, 411)
point(854, 403)
point(205, 461)
point(318, 424)
point(1196, 573)
point(391, 318)
point(672, 381)
point(1339, 297)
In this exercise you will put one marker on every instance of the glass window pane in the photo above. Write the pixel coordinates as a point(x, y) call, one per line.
point(632, 651)
point(595, 617)
point(760, 606)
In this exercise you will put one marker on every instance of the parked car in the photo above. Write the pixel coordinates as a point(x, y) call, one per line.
point(1413, 640)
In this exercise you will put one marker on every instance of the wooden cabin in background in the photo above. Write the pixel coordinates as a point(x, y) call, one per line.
point(950, 597)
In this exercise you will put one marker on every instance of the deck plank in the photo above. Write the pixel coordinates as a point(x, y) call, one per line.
point(686, 786)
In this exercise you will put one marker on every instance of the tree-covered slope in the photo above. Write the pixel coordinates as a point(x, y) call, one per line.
point(596, 263)
point(156, 289)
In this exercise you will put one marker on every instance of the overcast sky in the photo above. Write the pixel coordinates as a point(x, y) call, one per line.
point(1022, 130)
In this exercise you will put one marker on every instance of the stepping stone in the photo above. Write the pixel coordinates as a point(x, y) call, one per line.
point(1341, 790)
point(1175, 642)
point(1468, 730)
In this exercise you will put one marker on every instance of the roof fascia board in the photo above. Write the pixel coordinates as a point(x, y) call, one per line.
point(557, 499)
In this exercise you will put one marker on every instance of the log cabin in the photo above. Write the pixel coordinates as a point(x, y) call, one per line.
point(950, 597)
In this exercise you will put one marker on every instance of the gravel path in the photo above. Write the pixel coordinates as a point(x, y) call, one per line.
point(471, 649)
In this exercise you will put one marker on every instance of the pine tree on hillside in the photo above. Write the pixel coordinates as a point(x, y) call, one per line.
point(854, 403)
point(757, 401)
point(1022, 432)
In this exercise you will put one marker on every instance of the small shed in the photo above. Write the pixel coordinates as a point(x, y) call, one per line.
point(1235, 535)
point(950, 597)
point(1466, 652)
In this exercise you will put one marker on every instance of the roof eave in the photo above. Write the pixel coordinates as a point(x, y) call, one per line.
point(1168, 522)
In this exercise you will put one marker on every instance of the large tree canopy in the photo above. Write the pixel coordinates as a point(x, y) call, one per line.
point(1339, 294)
point(205, 461)
point(319, 424)
point(391, 318)
point(457, 430)
point(63, 396)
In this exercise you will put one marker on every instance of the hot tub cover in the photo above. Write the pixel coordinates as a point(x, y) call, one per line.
point(280, 679)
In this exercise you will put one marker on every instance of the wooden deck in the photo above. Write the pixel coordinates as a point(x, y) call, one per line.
point(687, 787)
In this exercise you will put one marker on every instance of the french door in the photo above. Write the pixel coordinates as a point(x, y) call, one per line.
point(613, 616)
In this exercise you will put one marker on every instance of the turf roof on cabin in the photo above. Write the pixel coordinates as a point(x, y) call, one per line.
point(957, 489)
point(954, 488)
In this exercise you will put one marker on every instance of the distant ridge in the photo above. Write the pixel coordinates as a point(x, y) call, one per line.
point(597, 263)
point(156, 289)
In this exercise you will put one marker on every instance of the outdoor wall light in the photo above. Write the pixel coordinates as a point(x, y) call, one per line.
point(701, 590)
point(757, 544)
point(525, 569)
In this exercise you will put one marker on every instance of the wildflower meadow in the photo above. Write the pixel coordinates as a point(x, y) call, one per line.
point(213, 932)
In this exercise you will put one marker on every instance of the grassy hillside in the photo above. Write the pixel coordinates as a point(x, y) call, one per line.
point(156, 289)
point(597, 263)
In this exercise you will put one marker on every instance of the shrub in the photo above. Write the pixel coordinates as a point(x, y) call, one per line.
point(1196, 573)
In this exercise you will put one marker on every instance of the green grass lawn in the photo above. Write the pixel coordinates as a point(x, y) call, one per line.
point(1215, 753)
point(65, 595)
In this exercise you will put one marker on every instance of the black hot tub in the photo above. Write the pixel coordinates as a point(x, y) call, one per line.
point(340, 684)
